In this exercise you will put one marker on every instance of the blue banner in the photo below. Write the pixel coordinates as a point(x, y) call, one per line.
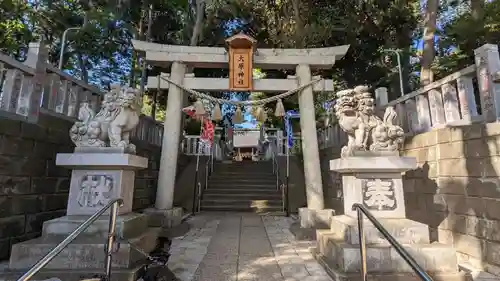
point(291, 114)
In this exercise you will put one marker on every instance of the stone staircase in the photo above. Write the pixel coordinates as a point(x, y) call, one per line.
point(242, 187)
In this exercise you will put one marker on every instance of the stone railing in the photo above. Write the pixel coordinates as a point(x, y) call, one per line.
point(282, 144)
point(35, 86)
point(331, 136)
point(450, 101)
point(190, 144)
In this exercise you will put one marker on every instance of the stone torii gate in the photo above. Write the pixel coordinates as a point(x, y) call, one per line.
point(181, 57)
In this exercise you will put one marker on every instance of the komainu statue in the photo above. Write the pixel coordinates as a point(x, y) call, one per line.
point(112, 125)
point(355, 112)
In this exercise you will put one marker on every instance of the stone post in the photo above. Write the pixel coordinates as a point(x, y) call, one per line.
point(163, 214)
point(487, 62)
point(381, 96)
point(32, 90)
point(314, 215)
point(37, 54)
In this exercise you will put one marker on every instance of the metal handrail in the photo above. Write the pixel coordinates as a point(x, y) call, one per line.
point(362, 210)
point(208, 172)
point(279, 184)
point(113, 204)
point(197, 189)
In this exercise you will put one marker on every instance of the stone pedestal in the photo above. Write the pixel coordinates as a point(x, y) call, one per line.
point(376, 182)
point(98, 176)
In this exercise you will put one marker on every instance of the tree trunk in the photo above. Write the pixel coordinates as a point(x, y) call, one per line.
point(83, 68)
point(200, 13)
point(135, 55)
point(428, 52)
point(477, 9)
point(299, 25)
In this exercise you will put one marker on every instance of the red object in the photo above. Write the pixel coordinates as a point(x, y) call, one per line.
point(207, 130)
point(189, 110)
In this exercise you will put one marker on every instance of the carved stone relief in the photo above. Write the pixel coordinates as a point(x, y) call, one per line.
point(379, 195)
point(95, 190)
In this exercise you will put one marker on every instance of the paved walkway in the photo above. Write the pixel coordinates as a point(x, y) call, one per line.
point(242, 247)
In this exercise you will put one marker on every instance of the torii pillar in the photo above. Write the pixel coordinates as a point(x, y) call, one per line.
point(164, 214)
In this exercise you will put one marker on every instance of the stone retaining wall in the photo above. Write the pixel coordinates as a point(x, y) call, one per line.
point(33, 189)
point(456, 190)
point(332, 182)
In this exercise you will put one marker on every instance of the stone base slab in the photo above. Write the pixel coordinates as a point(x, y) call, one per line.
point(176, 231)
point(303, 234)
point(101, 161)
point(338, 275)
point(317, 219)
point(431, 257)
point(405, 231)
point(164, 218)
point(127, 226)
point(83, 253)
point(381, 164)
point(119, 274)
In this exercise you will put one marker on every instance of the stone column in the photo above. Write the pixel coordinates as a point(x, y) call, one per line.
point(170, 143)
point(312, 169)
point(487, 61)
point(314, 216)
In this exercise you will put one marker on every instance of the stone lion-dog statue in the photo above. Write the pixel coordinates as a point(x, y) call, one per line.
point(112, 125)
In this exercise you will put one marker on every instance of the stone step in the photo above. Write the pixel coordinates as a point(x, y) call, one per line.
point(245, 196)
point(248, 164)
point(241, 202)
point(127, 226)
point(338, 275)
point(241, 176)
point(243, 173)
point(345, 257)
point(242, 184)
point(243, 168)
point(245, 163)
point(84, 252)
point(242, 180)
point(240, 190)
point(244, 209)
point(118, 274)
point(239, 186)
point(405, 231)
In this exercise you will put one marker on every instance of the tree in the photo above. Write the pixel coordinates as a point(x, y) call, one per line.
point(14, 27)
point(428, 53)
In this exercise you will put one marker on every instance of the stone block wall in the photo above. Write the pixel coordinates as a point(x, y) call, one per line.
point(296, 181)
point(33, 189)
point(332, 181)
point(456, 190)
